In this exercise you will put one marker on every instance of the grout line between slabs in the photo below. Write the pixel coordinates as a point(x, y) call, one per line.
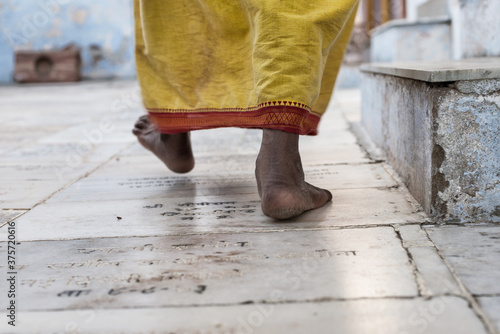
point(312, 229)
point(486, 295)
point(418, 278)
point(473, 304)
point(260, 302)
point(67, 185)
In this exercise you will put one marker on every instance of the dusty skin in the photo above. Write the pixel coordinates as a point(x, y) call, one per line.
point(280, 178)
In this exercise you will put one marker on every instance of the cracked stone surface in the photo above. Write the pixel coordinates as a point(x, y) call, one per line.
point(109, 241)
point(478, 264)
point(442, 139)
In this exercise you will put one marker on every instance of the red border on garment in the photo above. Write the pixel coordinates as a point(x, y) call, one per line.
point(285, 117)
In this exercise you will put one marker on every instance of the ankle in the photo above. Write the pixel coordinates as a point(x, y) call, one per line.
point(279, 140)
point(279, 161)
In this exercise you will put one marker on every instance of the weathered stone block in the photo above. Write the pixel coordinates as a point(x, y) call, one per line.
point(401, 40)
point(475, 28)
point(442, 137)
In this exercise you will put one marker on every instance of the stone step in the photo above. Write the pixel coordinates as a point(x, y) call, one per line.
point(438, 124)
point(404, 40)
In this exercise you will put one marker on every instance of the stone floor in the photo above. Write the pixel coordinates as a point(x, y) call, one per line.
point(109, 241)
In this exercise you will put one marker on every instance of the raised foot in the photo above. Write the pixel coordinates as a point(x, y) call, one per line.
point(280, 178)
point(173, 149)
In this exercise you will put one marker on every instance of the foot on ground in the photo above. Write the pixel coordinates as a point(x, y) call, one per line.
point(173, 149)
point(280, 178)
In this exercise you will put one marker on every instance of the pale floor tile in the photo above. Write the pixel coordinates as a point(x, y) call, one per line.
point(32, 173)
point(9, 215)
point(147, 172)
point(27, 194)
point(332, 155)
point(326, 154)
point(382, 316)
point(435, 278)
point(142, 177)
point(52, 113)
point(473, 251)
point(71, 93)
point(24, 185)
point(491, 306)
point(95, 133)
point(348, 103)
point(212, 269)
point(17, 137)
point(68, 154)
point(4, 148)
point(414, 236)
point(205, 214)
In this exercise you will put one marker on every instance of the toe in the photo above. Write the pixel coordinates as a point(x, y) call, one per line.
point(329, 195)
point(141, 124)
point(319, 196)
point(136, 131)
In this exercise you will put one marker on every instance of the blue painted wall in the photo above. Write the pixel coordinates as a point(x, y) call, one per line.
point(102, 29)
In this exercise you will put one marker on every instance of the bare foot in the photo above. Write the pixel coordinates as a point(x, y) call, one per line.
point(280, 178)
point(173, 149)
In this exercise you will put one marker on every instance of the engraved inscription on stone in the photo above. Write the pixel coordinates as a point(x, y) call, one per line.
point(201, 269)
point(219, 210)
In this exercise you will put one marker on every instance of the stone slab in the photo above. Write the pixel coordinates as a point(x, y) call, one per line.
point(26, 184)
point(17, 136)
point(131, 177)
point(9, 215)
point(69, 154)
point(210, 269)
point(98, 132)
point(403, 40)
point(177, 215)
point(474, 253)
point(383, 316)
point(221, 165)
point(491, 306)
point(414, 236)
point(348, 101)
point(435, 276)
point(27, 194)
point(440, 71)
point(144, 177)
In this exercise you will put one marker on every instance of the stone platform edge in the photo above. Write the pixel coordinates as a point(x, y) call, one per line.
point(439, 71)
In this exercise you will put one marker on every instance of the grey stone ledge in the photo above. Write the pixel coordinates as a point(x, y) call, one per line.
point(439, 71)
point(407, 23)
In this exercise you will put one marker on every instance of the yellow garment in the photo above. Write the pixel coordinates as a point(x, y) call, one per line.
point(246, 63)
